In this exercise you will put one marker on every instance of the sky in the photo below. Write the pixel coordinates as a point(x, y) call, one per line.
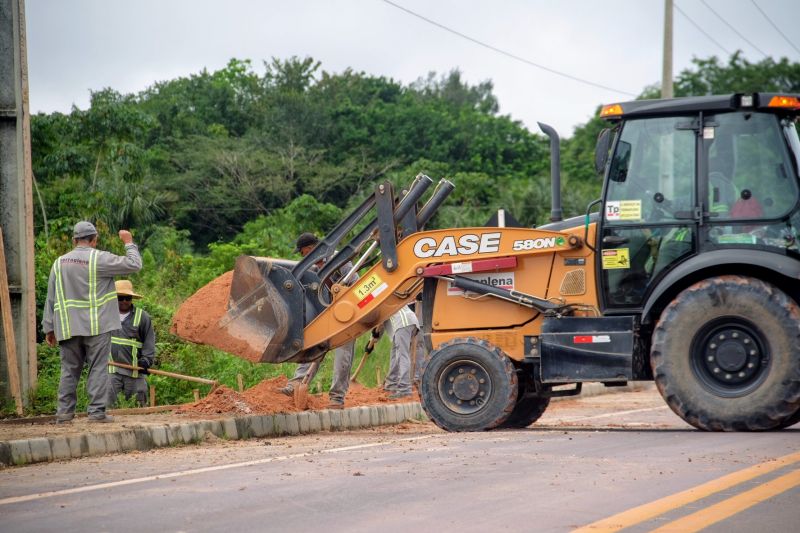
point(76, 46)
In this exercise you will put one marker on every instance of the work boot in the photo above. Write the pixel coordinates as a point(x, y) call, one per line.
point(399, 395)
point(65, 418)
point(105, 419)
point(335, 405)
point(287, 389)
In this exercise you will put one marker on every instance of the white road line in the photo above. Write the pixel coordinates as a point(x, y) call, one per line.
point(101, 486)
point(608, 415)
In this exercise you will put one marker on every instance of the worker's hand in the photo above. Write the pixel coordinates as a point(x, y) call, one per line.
point(126, 236)
point(376, 333)
point(50, 337)
point(144, 364)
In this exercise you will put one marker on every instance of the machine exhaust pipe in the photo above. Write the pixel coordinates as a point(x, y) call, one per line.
point(555, 172)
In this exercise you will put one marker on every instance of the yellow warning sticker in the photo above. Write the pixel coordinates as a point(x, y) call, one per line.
point(367, 286)
point(624, 210)
point(619, 258)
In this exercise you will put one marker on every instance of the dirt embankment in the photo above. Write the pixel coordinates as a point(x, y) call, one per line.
point(198, 318)
point(265, 398)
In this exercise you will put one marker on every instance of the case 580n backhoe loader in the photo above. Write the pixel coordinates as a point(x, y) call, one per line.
point(688, 275)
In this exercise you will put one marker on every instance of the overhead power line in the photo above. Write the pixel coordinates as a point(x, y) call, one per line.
point(776, 27)
point(507, 54)
point(699, 28)
point(737, 32)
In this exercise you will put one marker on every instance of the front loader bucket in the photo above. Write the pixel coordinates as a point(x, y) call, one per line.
point(265, 310)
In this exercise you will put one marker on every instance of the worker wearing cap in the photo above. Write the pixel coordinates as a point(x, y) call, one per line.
point(79, 315)
point(343, 355)
point(133, 344)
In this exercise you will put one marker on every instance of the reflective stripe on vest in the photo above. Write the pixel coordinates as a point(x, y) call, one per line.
point(94, 327)
point(137, 317)
point(63, 305)
point(402, 317)
point(60, 307)
point(135, 346)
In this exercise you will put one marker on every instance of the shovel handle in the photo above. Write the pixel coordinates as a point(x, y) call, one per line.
point(367, 350)
point(168, 374)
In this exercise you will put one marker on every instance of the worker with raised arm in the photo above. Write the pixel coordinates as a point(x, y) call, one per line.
point(133, 344)
point(81, 312)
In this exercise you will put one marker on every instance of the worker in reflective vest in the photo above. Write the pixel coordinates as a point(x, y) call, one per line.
point(133, 344)
point(79, 316)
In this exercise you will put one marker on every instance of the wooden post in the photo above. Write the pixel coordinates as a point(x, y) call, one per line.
point(240, 381)
point(378, 380)
point(196, 393)
point(152, 395)
point(8, 331)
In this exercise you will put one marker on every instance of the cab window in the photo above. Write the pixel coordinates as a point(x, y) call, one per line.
point(651, 177)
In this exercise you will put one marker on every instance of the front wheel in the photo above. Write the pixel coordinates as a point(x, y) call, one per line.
point(468, 385)
point(726, 355)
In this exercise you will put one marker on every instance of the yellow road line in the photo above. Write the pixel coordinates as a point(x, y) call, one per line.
point(650, 510)
point(733, 505)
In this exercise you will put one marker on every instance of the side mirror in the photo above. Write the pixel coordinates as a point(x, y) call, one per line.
point(601, 150)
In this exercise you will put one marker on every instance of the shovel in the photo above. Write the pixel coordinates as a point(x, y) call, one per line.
point(373, 340)
point(301, 391)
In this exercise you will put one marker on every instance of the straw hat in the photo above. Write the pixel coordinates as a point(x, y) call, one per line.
point(125, 288)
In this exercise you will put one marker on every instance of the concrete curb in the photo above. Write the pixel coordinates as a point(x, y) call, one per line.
point(41, 449)
point(44, 449)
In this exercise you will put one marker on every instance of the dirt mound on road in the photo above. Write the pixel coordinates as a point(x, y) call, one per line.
point(221, 400)
point(197, 319)
point(265, 398)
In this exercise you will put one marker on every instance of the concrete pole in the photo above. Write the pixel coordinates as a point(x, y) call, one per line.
point(666, 71)
point(16, 192)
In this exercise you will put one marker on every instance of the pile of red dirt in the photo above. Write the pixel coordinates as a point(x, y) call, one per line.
point(265, 398)
point(220, 400)
point(197, 320)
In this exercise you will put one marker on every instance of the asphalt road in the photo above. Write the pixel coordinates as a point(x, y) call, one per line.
point(606, 462)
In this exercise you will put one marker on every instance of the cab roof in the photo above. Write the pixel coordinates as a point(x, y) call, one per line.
point(776, 102)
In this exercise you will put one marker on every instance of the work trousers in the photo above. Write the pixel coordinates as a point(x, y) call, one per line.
point(342, 363)
point(421, 356)
point(75, 353)
point(399, 377)
point(129, 386)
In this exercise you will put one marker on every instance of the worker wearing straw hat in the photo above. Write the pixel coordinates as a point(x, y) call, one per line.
point(133, 344)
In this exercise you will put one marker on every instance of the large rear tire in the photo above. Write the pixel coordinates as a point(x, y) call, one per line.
point(726, 355)
point(792, 420)
point(468, 385)
point(528, 409)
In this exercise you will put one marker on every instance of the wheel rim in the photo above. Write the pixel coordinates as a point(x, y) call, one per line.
point(730, 356)
point(464, 386)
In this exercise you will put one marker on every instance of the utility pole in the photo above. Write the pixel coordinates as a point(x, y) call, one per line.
point(16, 198)
point(666, 70)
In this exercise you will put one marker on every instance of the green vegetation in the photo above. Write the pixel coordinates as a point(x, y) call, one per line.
point(214, 165)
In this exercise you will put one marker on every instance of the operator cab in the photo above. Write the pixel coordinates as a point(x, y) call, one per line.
point(690, 175)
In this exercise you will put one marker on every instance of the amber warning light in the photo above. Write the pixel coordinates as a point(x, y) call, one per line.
point(790, 102)
point(611, 110)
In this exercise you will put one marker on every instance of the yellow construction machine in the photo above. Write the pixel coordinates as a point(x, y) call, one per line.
point(688, 275)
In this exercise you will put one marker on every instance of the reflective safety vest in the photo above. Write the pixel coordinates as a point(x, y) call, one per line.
point(133, 344)
point(80, 291)
point(403, 318)
point(66, 308)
